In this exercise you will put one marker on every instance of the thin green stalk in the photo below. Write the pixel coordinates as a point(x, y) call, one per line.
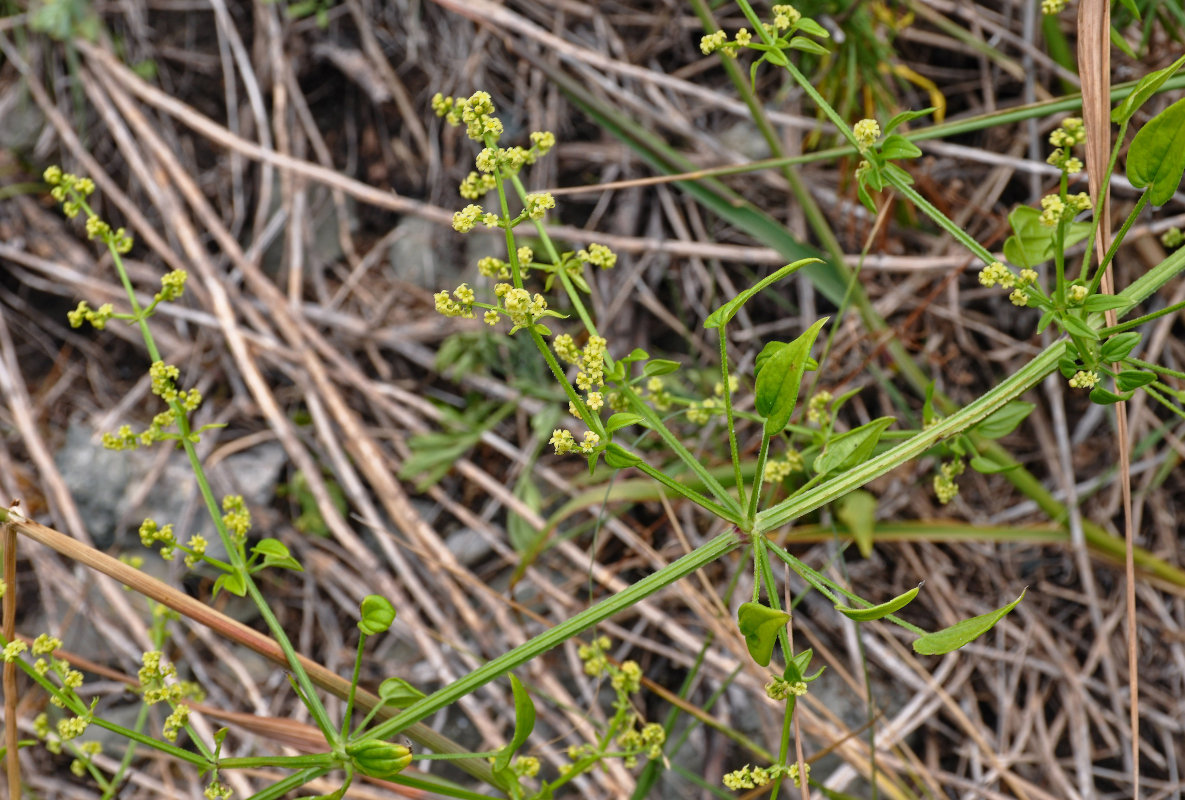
point(316, 708)
point(642, 409)
point(1117, 241)
point(1024, 379)
point(1138, 321)
point(655, 582)
point(730, 421)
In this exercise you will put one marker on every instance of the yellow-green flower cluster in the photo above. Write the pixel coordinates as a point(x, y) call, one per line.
point(1054, 209)
point(627, 678)
point(777, 470)
point(164, 377)
point(599, 256)
point(490, 267)
point(1071, 132)
point(84, 313)
point(780, 689)
point(648, 740)
point(151, 533)
point(593, 656)
point(996, 273)
point(519, 304)
point(701, 412)
point(563, 442)
point(195, 548)
point(175, 722)
point(525, 766)
point(1172, 238)
point(236, 517)
point(217, 791)
point(1077, 294)
point(866, 131)
point(72, 727)
point(1051, 7)
point(118, 239)
point(477, 112)
point(945, 487)
point(1084, 379)
point(465, 219)
point(656, 393)
point(13, 650)
point(475, 186)
point(752, 777)
point(87, 751)
point(537, 205)
point(172, 286)
point(459, 305)
point(68, 189)
point(817, 410)
point(785, 16)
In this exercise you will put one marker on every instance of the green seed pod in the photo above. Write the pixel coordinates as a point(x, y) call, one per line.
point(378, 759)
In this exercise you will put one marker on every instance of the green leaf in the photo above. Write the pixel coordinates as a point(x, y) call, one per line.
point(275, 554)
point(399, 692)
point(1067, 366)
point(522, 534)
point(928, 405)
point(232, 582)
point(865, 197)
point(900, 174)
point(883, 610)
point(907, 116)
point(1032, 242)
point(797, 666)
point(1119, 346)
point(637, 354)
point(1078, 328)
point(851, 447)
point(989, 466)
point(897, 146)
point(780, 378)
point(760, 625)
point(1146, 87)
point(1105, 397)
point(660, 366)
point(724, 314)
point(618, 457)
point(377, 614)
point(857, 511)
point(621, 420)
point(812, 28)
point(808, 46)
point(1004, 421)
point(524, 723)
point(1156, 157)
point(1043, 323)
point(950, 639)
point(1130, 379)
point(1105, 302)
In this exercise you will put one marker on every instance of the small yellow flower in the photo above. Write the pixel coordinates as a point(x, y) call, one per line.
point(866, 132)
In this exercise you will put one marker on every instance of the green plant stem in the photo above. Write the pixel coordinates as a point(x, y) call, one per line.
point(1138, 321)
point(1021, 381)
point(316, 708)
point(733, 449)
point(290, 784)
point(1117, 241)
point(643, 409)
point(696, 559)
point(1155, 367)
point(758, 474)
point(687, 493)
point(353, 687)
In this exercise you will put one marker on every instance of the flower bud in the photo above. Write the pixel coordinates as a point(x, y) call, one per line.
point(378, 759)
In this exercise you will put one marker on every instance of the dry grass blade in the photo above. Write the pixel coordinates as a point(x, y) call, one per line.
point(1094, 62)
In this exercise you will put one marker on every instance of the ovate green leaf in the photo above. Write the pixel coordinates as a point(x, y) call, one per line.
point(883, 610)
point(1156, 158)
point(760, 625)
point(780, 377)
point(950, 639)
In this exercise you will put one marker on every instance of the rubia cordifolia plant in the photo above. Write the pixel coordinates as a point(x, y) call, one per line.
point(629, 410)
